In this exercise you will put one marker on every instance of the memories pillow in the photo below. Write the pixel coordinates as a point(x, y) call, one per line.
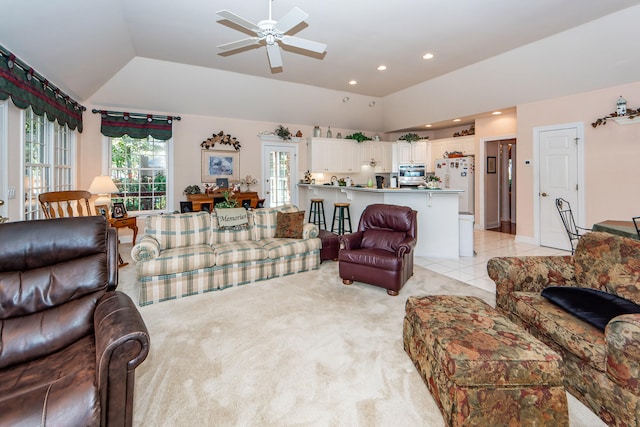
point(289, 225)
point(591, 305)
point(231, 217)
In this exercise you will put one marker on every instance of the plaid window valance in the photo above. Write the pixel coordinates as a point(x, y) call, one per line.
point(116, 125)
point(27, 89)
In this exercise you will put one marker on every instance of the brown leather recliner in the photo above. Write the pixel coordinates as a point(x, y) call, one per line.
point(69, 342)
point(380, 253)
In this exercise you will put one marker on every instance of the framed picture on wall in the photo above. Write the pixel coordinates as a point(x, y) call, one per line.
point(220, 164)
point(491, 164)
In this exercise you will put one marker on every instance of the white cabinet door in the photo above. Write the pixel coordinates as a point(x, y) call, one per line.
point(379, 151)
point(415, 152)
point(334, 156)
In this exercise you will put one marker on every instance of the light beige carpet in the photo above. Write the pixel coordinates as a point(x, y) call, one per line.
point(303, 350)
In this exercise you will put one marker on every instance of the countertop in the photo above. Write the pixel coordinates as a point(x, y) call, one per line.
point(412, 190)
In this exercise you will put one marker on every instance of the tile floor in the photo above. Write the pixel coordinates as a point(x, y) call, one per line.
point(487, 244)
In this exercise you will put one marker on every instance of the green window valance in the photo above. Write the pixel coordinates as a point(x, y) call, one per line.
point(28, 89)
point(116, 124)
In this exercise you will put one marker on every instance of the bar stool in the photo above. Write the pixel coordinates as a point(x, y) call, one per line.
point(316, 214)
point(341, 214)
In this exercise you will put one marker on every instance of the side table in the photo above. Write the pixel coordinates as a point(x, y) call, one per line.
point(130, 222)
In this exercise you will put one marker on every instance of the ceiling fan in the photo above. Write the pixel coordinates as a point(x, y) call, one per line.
point(270, 33)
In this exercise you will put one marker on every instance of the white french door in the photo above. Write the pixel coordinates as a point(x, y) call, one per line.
point(559, 176)
point(280, 173)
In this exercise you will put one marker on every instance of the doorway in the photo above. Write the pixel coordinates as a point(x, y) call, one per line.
point(559, 152)
point(500, 186)
point(280, 173)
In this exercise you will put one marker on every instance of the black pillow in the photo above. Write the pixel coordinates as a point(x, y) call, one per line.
point(591, 305)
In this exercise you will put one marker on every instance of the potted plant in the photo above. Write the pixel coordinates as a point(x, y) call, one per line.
point(192, 189)
point(228, 201)
point(358, 136)
point(433, 181)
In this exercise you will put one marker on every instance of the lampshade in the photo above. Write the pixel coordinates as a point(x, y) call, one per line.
point(103, 185)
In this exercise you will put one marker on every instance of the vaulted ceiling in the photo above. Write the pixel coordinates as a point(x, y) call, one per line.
point(79, 45)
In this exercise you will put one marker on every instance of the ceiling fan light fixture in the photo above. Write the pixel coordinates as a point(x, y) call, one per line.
point(273, 33)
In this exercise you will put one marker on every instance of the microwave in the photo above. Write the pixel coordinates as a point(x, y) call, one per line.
point(411, 173)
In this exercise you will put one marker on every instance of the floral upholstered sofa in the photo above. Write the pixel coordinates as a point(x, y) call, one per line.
point(598, 283)
point(191, 253)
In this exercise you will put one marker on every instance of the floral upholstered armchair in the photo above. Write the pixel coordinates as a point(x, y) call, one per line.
point(578, 305)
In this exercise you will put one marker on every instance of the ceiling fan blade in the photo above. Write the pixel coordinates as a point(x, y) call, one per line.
point(294, 17)
point(273, 52)
point(304, 44)
point(239, 43)
point(238, 20)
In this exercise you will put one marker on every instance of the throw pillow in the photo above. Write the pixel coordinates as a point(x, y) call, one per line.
point(231, 217)
point(591, 305)
point(290, 225)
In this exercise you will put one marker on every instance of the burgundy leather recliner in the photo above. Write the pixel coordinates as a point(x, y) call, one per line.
point(380, 253)
point(69, 343)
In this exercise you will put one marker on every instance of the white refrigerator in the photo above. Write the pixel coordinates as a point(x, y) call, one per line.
point(457, 173)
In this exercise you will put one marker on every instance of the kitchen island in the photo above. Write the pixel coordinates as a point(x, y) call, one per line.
point(438, 228)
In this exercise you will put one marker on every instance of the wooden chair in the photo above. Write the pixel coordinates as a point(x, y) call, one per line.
point(61, 204)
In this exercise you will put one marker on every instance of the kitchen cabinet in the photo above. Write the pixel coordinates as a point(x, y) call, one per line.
point(437, 148)
point(380, 151)
point(405, 152)
point(329, 155)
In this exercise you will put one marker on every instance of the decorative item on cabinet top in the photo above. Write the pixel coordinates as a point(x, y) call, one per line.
point(622, 115)
point(358, 136)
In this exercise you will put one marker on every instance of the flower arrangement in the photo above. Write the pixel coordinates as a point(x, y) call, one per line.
point(283, 132)
point(433, 181)
point(248, 181)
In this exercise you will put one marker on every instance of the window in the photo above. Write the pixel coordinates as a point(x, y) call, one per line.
point(48, 160)
point(139, 167)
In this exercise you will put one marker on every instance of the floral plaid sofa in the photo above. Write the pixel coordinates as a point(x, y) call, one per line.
point(185, 254)
point(602, 369)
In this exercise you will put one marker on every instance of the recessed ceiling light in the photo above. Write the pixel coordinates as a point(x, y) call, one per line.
point(457, 120)
point(427, 55)
point(382, 67)
point(428, 126)
point(372, 103)
point(497, 113)
point(345, 99)
point(353, 82)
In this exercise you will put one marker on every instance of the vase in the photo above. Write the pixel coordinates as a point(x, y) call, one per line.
point(316, 132)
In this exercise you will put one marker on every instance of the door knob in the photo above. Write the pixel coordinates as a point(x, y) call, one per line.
point(544, 194)
point(1, 202)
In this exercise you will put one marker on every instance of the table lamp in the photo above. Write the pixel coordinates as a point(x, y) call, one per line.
point(103, 186)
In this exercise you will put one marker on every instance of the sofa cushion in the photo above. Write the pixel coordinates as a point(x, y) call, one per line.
point(179, 230)
point(238, 252)
point(545, 319)
point(177, 260)
point(231, 234)
point(609, 263)
point(289, 225)
point(266, 220)
point(591, 305)
point(277, 247)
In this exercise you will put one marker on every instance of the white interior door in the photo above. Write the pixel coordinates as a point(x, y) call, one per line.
point(280, 173)
point(558, 177)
